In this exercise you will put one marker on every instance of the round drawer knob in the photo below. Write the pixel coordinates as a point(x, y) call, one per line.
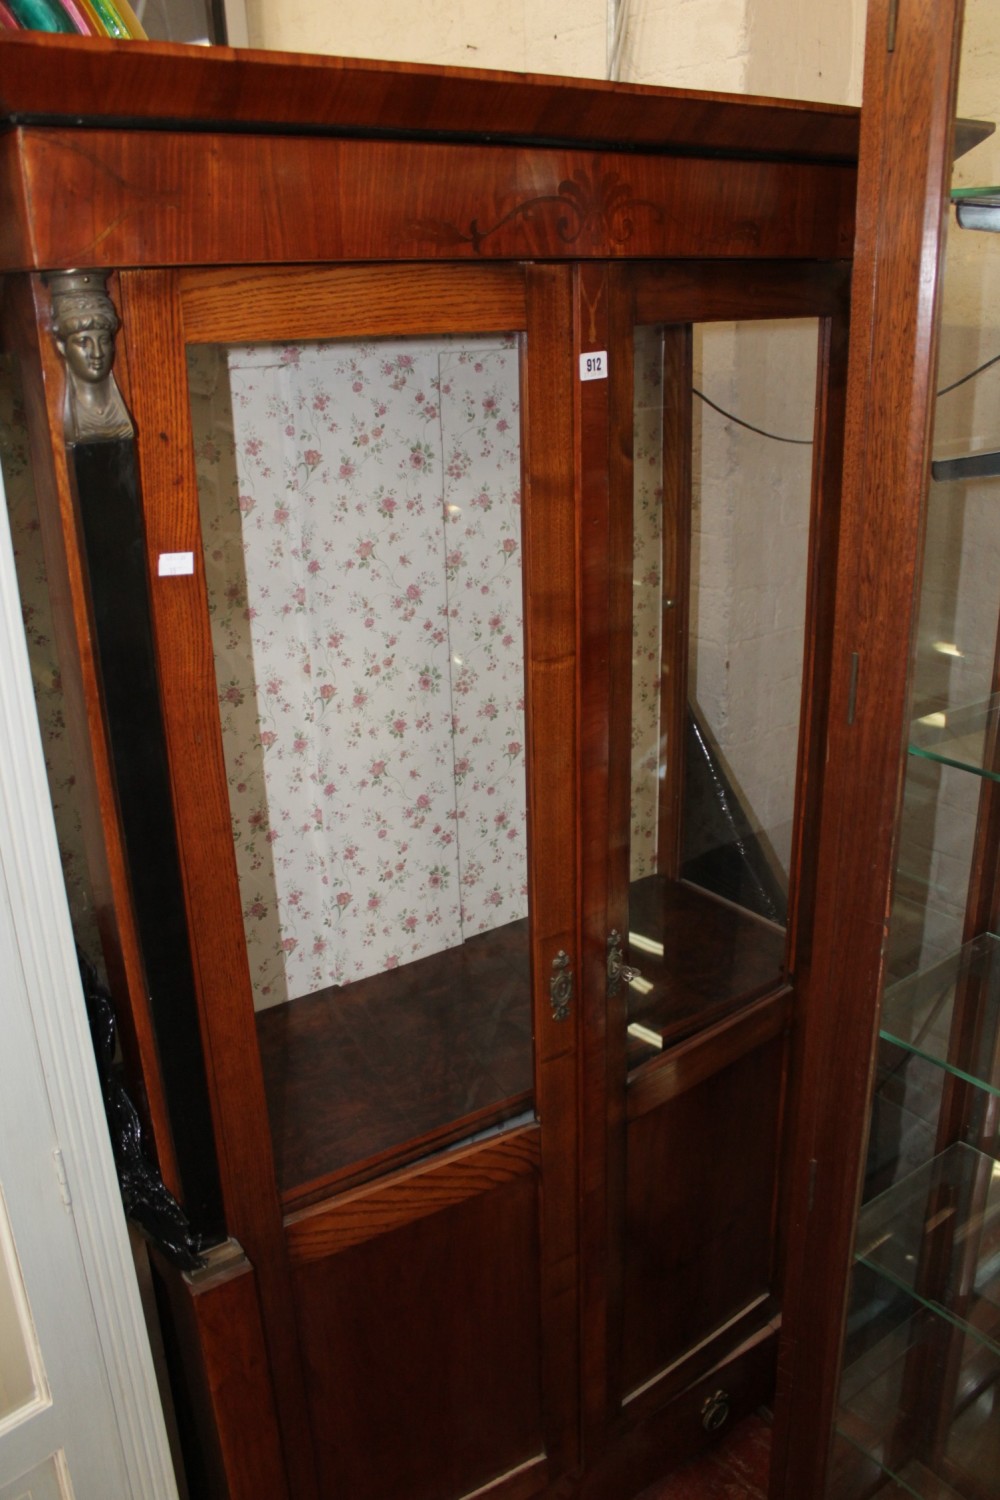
point(715, 1412)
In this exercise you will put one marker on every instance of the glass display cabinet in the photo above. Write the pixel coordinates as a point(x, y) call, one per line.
point(426, 492)
point(897, 1307)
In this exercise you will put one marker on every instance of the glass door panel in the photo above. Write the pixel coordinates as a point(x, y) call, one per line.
point(723, 418)
point(360, 514)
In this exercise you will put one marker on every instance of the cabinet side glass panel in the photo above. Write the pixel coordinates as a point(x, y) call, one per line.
point(724, 431)
point(360, 511)
point(919, 1390)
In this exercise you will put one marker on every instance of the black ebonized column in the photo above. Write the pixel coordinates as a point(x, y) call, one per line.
point(110, 505)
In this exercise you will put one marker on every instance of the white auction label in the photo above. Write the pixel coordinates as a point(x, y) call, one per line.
point(174, 564)
point(594, 366)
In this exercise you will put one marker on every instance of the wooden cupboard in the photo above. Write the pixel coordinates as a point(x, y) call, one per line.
point(384, 619)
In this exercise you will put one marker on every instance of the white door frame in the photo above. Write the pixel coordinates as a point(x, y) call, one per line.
point(31, 871)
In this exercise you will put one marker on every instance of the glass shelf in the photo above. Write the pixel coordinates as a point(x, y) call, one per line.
point(936, 1235)
point(857, 1474)
point(892, 1435)
point(918, 1013)
point(962, 737)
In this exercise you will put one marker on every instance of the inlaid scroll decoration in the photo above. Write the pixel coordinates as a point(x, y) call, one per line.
point(84, 324)
point(595, 207)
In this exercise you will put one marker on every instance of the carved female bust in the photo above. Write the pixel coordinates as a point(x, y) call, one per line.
point(84, 323)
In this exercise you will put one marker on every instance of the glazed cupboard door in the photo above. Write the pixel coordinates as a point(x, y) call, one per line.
point(722, 535)
point(358, 496)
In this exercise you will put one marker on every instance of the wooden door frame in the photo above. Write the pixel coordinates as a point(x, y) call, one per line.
point(163, 312)
point(904, 175)
point(676, 294)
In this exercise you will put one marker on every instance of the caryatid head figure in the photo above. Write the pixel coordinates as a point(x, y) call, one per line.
point(84, 324)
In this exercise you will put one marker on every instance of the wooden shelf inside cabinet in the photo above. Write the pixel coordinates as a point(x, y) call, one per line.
point(403, 1067)
point(711, 958)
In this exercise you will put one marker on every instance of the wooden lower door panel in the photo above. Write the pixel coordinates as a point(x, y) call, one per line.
point(418, 1307)
point(700, 1190)
point(660, 1441)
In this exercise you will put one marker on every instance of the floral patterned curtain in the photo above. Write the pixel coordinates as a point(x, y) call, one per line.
point(378, 808)
point(361, 517)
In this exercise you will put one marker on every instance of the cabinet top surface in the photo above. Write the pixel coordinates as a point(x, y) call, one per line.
point(82, 80)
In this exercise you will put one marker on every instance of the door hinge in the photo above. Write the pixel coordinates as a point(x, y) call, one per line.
point(60, 1164)
point(890, 39)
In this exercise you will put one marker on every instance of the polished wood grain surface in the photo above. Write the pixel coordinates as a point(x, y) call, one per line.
point(88, 79)
point(425, 1376)
point(824, 540)
point(15, 215)
point(216, 1335)
point(604, 322)
point(714, 957)
point(449, 1065)
point(718, 996)
point(712, 292)
point(236, 198)
point(688, 1063)
point(292, 304)
point(904, 177)
point(473, 1318)
point(440, 1181)
point(399, 1063)
point(161, 411)
point(698, 1242)
point(550, 426)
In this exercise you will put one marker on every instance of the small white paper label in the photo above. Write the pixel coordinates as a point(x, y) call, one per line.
point(594, 365)
point(174, 564)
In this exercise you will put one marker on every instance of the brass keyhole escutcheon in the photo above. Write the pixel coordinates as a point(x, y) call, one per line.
point(618, 969)
point(715, 1412)
point(561, 986)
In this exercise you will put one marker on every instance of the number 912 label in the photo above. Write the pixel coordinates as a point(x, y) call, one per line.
point(594, 365)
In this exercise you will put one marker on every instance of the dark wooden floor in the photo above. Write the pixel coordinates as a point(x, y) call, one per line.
point(403, 1063)
point(737, 1469)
